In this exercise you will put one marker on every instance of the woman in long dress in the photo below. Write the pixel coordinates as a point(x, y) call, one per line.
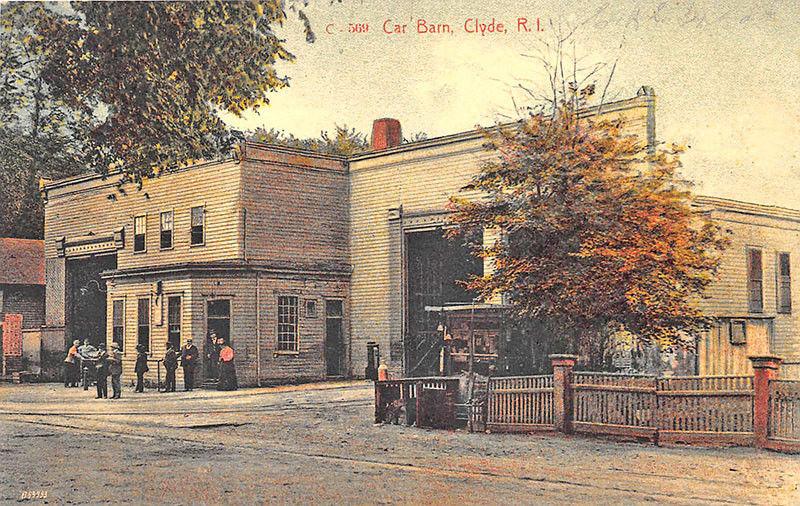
point(227, 369)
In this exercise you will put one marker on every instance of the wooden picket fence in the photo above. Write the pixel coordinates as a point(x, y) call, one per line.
point(615, 404)
point(520, 403)
point(784, 410)
point(758, 410)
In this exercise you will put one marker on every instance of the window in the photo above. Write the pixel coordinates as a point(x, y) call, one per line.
point(287, 323)
point(311, 309)
point(738, 332)
point(139, 233)
point(198, 226)
point(118, 324)
point(755, 281)
point(784, 284)
point(166, 229)
point(174, 321)
point(143, 327)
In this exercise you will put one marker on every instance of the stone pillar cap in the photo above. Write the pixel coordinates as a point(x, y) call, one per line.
point(766, 361)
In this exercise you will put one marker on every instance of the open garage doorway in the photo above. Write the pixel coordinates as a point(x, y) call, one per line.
point(436, 265)
point(86, 298)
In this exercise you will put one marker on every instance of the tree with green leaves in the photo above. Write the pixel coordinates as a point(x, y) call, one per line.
point(135, 87)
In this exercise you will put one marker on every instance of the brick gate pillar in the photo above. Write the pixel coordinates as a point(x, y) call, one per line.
point(765, 368)
point(562, 391)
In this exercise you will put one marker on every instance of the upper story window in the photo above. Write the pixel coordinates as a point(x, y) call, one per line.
point(784, 283)
point(287, 323)
point(755, 281)
point(139, 233)
point(167, 225)
point(198, 226)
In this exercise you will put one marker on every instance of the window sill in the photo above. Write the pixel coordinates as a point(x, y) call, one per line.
point(277, 353)
point(197, 245)
point(166, 249)
point(141, 252)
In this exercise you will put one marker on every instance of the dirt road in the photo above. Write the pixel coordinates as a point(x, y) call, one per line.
point(317, 443)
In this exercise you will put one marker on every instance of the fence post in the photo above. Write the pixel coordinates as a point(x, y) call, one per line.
point(562, 391)
point(378, 403)
point(765, 368)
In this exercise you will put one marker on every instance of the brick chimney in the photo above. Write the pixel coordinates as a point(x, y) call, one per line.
point(386, 133)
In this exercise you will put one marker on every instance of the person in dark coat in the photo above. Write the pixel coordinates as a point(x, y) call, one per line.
point(115, 369)
point(101, 372)
point(171, 365)
point(189, 354)
point(141, 367)
point(227, 370)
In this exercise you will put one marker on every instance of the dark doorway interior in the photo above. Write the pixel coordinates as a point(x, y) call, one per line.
point(334, 338)
point(436, 264)
point(218, 321)
point(86, 298)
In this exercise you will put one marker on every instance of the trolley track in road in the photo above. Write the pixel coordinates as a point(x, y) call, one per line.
point(139, 433)
point(305, 406)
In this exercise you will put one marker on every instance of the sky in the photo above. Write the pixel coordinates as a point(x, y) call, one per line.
point(726, 75)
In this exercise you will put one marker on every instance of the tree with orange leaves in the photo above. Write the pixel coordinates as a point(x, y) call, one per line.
point(597, 233)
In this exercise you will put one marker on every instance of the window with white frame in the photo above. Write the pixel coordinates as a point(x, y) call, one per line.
point(198, 232)
point(287, 323)
point(167, 225)
point(139, 233)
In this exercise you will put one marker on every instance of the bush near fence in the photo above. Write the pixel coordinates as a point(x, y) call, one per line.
point(758, 410)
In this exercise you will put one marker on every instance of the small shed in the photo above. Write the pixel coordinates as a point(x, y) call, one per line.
point(21, 303)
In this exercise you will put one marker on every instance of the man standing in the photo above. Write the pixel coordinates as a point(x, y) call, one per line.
point(101, 370)
point(141, 367)
point(171, 365)
point(189, 354)
point(71, 365)
point(115, 368)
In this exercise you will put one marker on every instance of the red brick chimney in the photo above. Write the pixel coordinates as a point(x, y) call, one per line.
point(386, 133)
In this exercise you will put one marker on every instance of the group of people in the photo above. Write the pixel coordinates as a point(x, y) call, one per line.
point(104, 364)
point(84, 356)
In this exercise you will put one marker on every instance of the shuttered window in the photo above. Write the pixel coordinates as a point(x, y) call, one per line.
point(755, 281)
point(784, 284)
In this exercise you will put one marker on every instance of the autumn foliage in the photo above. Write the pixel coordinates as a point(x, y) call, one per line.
point(597, 231)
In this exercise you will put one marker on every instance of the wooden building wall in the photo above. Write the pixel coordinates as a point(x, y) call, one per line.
point(249, 320)
point(296, 203)
point(85, 208)
point(772, 230)
point(419, 178)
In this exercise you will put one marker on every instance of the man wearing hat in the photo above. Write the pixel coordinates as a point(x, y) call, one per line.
point(101, 371)
point(189, 354)
point(115, 369)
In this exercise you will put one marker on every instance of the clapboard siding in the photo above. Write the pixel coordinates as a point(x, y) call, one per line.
point(773, 230)
point(85, 208)
point(130, 292)
point(296, 207)
point(420, 180)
